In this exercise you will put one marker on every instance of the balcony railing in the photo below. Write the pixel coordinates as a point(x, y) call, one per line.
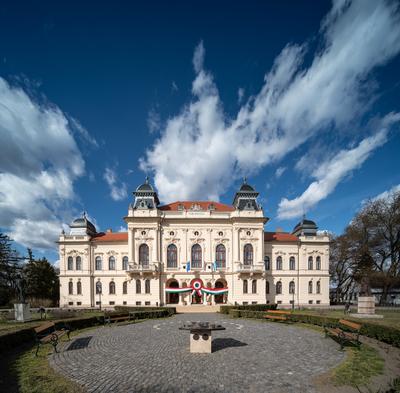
point(256, 268)
point(139, 268)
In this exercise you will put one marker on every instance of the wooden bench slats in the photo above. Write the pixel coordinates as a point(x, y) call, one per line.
point(350, 324)
point(276, 317)
point(278, 312)
point(343, 335)
point(47, 333)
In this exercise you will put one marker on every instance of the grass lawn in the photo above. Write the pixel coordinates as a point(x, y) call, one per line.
point(390, 317)
point(26, 373)
point(7, 326)
point(359, 367)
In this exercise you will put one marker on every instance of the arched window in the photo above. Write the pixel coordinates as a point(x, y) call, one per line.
point(112, 288)
point(70, 288)
point(111, 263)
point(98, 287)
point(279, 263)
point(267, 287)
point(125, 263)
point(248, 255)
point(124, 287)
point(196, 256)
point(138, 286)
point(292, 263)
point(291, 287)
point(70, 263)
point(144, 255)
point(310, 263)
point(279, 288)
point(79, 288)
point(147, 286)
point(318, 263)
point(310, 287)
point(172, 256)
point(254, 286)
point(245, 286)
point(78, 263)
point(220, 256)
point(318, 286)
point(267, 263)
point(98, 263)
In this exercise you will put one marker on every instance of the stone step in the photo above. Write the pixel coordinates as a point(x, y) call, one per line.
point(197, 309)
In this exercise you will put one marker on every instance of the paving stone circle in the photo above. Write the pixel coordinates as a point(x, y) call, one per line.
point(153, 356)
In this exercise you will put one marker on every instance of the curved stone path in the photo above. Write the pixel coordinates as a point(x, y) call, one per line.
point(153, 356)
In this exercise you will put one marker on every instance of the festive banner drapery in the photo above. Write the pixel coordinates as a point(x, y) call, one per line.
point(196, 286)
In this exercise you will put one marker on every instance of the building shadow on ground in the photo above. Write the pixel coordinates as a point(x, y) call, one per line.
point(79, 343)
point(219, 344)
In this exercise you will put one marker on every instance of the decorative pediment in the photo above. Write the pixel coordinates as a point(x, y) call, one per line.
point(112, 253)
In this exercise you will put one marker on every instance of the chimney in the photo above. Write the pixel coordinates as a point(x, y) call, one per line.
point(109, 230)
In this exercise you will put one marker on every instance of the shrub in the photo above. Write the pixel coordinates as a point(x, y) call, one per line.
point(126, 309)
point(12, 339)
point(382, 333)
point(253, 307)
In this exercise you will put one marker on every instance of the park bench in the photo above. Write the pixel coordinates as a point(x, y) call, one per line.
point(48, 334)
point(108, 318)
point(278, 315)
point(343, 334)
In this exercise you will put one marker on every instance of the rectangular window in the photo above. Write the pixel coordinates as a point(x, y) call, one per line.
point(111, 303)
point(147, 303)
point(70, 303)
point(97, 303)
point(245, 303)
point(78, 303)
point(310, 302)
point(291, 302)
point(124, 303)
point(279, 302)
point(253, 302)
point(318, 301)
point(138, 303)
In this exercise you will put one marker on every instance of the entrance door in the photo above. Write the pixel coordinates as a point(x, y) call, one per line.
point(173, 298)
point(219, 299)
point(196, 299)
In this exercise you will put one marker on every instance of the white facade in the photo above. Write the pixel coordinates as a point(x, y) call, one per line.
point(225, 245)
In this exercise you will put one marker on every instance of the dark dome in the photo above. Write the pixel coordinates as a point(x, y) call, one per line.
point(246, 187)
point(83, 222)
point(306, 227)
point(306, 224)
point(146, 186)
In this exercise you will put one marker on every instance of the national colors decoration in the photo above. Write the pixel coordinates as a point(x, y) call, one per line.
point(197, 286)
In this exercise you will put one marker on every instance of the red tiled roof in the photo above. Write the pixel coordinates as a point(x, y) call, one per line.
point(203, 204)
point(280, 237)
point(111, 237)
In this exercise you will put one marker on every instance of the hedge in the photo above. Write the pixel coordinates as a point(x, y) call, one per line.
point(386, 334)
point(126, 309)
point(12, 339)
point(253, 307)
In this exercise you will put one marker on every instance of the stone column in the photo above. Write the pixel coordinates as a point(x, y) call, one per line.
point(131, 245)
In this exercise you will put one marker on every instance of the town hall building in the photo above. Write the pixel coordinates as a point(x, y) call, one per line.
point(193, 252)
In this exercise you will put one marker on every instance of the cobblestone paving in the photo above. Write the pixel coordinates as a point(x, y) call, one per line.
point(153, 356)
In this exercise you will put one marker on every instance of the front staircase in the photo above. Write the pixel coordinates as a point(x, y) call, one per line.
point(196, 308)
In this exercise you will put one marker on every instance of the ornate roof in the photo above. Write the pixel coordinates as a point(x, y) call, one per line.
point(197, 205)
point(305, 227)
point(146, 186)
point(280, 237)
point(83, 223)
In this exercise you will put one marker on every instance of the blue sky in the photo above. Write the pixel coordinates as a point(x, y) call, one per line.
point(300, 97)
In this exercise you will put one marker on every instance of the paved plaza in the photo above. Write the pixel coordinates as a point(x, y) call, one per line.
point(153, 356)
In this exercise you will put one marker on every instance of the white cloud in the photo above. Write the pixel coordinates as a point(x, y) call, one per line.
point(39, 162)
point(118, 190)
point(280, 171)
point(240, 95)
point(174, 86)
point(201, 151)
point(332, 171)
point(153, 121)
point(387, 193)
